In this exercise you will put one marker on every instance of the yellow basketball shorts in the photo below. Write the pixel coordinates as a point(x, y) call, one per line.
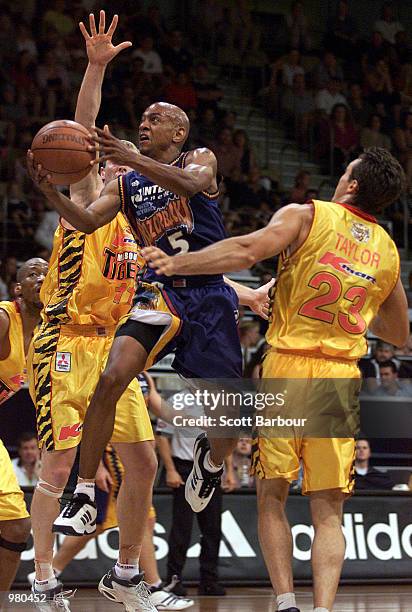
point(106, 502)
point(12, 504)
point(327, 461)
point(64, 366)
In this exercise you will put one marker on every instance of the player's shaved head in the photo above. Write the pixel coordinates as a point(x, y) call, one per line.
point(176, 114)
point(27, 266)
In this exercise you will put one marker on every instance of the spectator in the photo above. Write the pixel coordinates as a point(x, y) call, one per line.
point(25, 40)
point(366, 476)
point(228, 156)
point(390, 385)
point(329, 97)
point(298, 193)
point(386, 25)
point(208, 93)
point(247, 158)
point(345, 139)
point(154, 25)
point(229, 120)
point(45, 230)
point(8, 271)
point(181, 92)
point(253, 193)
point(22, 74)
point(241, 464)
point(327, 70)
point(175, 54)
point(27, 464)
point(378, 49)
point(372, 135)
point(249, 337)
point(380, 86)
point(207, 128)
point(403, 142)
point(383, 353)
point(298, 106)
point(341, 31)
point(20, 221)
point(54, 83)
point(360, 108)
point(291, 67)
point(298, 28)
point(152, 63)
point(175, 445)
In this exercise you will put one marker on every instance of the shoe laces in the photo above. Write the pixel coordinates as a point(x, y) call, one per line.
point(72, 507)
point(209, 484)
point(143, 591)
point(60, 599)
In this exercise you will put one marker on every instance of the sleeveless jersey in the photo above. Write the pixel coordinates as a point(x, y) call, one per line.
point(173, 223)
point(92, 277)
point(13, 369)
point(328, 291)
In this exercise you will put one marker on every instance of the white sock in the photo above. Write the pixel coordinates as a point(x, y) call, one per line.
point(126, 571)
point(48, 579)
point(87, 488)
point(285, 601)
point(209, 465)
point(156, 585)
point(57, 572)
point(320, 610)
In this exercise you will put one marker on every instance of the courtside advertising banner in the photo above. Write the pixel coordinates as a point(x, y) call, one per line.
point(378, 531)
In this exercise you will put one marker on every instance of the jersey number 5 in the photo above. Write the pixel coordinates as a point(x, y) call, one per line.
point(179, 244)
point(350, 321)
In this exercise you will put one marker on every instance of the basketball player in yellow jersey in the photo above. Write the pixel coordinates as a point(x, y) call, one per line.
point(89, 287)
point(17, 322)
point(338, 276)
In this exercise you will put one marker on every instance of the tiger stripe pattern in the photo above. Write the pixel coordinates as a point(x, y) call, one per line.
point(115, 467)
point(44, 347)
point(70, 267)
point(45, 343)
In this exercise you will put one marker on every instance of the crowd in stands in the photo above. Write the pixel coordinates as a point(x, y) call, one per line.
point(341, 95)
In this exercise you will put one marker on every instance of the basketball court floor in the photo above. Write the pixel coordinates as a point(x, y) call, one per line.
point(389, 598)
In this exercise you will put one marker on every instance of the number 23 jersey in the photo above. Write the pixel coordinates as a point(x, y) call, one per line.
point(328, 291)
point(91, 278)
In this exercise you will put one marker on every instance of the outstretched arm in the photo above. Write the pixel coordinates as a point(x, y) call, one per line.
point(100, 51)
point(87, 219)
point(286, 227)
point(199, 174)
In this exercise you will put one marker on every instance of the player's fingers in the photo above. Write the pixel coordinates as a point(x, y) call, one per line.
point(102, 22)
point(92, 23)
point(113, 25)
point(84, 31)
point(122, 46)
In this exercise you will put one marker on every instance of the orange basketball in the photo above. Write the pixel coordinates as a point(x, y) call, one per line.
point(61, 148)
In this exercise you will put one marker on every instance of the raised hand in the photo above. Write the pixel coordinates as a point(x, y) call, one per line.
point(99, 47)
point(112, 148)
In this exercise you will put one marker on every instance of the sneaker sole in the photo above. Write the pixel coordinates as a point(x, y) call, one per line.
point(69, 530)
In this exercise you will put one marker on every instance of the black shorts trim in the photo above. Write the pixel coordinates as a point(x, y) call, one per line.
point(147, 334)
